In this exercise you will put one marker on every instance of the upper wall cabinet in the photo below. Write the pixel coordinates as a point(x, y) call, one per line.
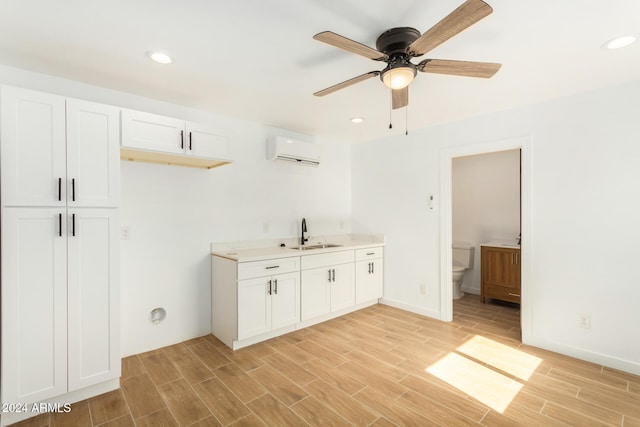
point(158, 139)
point(57, 151)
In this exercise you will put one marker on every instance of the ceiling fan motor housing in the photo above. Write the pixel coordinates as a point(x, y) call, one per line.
point(396, 40)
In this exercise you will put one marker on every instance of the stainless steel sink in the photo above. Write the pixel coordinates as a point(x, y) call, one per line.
point(320, 246)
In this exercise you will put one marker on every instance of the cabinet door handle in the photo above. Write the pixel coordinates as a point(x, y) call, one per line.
point(182, 139)
point(369, 268)
point(513, 295)
point(59, 189)
point(334, 274)
point(269, 291)
point(329, 275)
point(372, 266)
point(60, 225)
point(73, 189)
point(275, 286)
point(73, 225)
point(189, 140)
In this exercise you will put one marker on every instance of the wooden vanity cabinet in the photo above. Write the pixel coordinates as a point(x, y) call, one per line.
point(500, 273)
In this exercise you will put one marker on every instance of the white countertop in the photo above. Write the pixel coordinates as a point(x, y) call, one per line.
point(262, 250)
point(501, 245)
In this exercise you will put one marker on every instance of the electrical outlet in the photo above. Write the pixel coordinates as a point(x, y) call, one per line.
point(265, 227)
point(125, 233)
point(423, 288)
point(584, 321)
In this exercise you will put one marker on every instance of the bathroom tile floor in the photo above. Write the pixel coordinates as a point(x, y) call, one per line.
point(380, 366)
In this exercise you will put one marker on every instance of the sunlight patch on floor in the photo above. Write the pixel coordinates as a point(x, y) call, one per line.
point(483, 384)
point(507, 359)
point(496, 390)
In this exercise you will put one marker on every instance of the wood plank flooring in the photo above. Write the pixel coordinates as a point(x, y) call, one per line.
point(376, 367)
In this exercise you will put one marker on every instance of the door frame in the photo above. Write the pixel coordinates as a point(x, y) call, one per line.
point(446, 233)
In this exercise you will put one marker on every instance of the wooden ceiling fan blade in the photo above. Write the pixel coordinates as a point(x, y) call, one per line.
point(400, 98)
point(347, 83)
point(349, 45)
point(467, 14)
point(459, 68)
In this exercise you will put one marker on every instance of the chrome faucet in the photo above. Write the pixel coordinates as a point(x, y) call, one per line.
point(304, 230)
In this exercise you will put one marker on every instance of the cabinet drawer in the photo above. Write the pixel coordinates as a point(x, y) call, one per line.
point(369, 253)
point(247, 270)
point(323, 260)
point(502, 293)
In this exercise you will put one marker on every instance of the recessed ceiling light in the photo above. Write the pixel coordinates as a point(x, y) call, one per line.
point(357, 120)
point(159, 57)
point(619, 42)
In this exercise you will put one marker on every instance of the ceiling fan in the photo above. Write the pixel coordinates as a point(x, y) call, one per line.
point(398, 46)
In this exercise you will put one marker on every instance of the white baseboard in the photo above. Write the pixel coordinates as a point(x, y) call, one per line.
point(411, 308)
point(633, 367)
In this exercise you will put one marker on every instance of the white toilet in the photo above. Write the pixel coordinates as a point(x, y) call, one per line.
point(462, 260)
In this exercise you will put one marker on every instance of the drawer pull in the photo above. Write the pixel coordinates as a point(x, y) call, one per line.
point(513, 295)
point(272, 267)
point(371, 253)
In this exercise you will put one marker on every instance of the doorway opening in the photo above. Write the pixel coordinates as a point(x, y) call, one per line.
point(521, 146)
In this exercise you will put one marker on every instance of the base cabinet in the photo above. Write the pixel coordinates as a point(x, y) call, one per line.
point(500, 273)
point(252, 301)
point(267, 303)
point(328, 283)
point(369, 274)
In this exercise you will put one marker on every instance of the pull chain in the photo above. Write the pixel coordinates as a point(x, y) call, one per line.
point(390, 107)
point(406, 120)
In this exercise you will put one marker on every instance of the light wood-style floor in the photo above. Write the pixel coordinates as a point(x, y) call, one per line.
point(376, 367)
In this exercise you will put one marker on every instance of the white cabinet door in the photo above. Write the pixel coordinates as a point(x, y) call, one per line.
point(93, 154)
point(93, 295)
point(147, 131)
point(205, 141)
point(34, 304)
point(369, 280)
point(343, 291)
point(315, 292)
point(254, 307)
point(285, 300)
point(33, 157)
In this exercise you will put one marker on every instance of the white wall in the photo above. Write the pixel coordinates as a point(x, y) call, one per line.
point(485, 203)
point(174, 213)
point(584, 207)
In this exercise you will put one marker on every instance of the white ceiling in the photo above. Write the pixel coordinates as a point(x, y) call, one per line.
point(256, 59)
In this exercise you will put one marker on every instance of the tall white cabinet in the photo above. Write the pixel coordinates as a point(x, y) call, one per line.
point(60, 168)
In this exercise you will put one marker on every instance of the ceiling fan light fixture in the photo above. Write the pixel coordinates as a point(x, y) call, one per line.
point(398, 77)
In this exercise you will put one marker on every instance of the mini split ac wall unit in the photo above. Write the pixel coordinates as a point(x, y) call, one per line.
point(293, 150)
